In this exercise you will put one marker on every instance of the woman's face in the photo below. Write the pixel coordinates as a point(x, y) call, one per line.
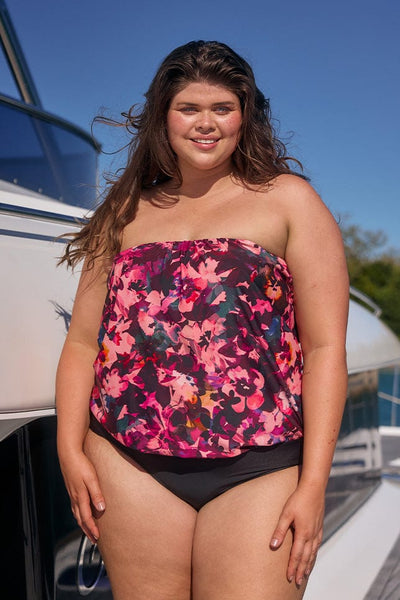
point(203, 126)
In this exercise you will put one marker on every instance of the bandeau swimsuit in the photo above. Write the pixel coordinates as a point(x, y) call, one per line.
point(199, 366)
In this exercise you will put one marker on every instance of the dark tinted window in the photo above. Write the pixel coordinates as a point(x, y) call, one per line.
point(46, 157)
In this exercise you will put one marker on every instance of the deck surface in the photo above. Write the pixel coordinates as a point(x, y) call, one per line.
point(386, 585)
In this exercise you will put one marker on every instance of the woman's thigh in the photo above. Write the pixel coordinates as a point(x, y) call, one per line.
point(146, 532)
point(232, 559)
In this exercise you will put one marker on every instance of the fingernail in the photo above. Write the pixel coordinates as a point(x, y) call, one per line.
point(101, 506)
point(290, 579)
point(274, 543)
point(300, 581)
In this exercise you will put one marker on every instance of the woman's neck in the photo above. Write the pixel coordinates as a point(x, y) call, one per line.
point(201, 184)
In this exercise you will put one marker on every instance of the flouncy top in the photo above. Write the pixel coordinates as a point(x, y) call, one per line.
point(199, 355)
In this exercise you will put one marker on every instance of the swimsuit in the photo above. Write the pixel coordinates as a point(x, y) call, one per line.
point(199, 480)
point(198, 353)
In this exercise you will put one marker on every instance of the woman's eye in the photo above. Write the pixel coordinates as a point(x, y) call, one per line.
point(221, 110)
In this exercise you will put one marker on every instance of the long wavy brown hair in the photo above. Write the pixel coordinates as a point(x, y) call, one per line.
point(259, 157)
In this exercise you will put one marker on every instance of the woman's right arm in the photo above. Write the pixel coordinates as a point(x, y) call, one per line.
point(74, 384)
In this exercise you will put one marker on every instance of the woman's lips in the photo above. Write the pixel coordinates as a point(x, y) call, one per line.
point(205, 143)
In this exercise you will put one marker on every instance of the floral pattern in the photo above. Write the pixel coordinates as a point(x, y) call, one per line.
point(198, 350)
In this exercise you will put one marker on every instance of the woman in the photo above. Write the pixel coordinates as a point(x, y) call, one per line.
point(218, 280)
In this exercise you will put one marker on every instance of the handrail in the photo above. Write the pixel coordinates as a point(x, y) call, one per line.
point(389, 397)
point(45, 215)
point(366, 300)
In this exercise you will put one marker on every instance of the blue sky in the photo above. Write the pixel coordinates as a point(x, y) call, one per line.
point(331, 70)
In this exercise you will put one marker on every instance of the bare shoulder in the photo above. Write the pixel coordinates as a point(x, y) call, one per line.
point(307, 217)
point(293, 198)
point(296, 194)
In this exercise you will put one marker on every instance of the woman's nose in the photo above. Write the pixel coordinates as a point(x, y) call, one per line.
point(205, 121)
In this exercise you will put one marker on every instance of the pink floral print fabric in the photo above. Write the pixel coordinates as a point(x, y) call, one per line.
point(199, 355)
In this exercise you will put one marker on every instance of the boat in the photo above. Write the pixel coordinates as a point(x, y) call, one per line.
point(47, 186)
point(48, 177)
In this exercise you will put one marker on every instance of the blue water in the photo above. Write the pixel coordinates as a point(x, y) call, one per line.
point(386, 379)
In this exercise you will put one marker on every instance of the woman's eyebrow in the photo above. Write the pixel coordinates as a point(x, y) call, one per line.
point(227, 103)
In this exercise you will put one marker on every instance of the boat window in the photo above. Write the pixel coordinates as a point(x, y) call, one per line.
point(7, 81)
point(46, 156)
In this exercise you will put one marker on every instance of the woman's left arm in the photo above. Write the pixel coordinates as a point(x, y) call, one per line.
point(316, 260)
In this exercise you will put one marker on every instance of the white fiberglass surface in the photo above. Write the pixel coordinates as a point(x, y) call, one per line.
point(350, 560)
point(14, 195)
point(370, 343)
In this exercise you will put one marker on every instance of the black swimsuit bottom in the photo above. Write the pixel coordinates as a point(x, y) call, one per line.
point(199, 480)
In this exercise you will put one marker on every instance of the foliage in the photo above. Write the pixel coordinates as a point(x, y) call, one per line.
point(373, 269)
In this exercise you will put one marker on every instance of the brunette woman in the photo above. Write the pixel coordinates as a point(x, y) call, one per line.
point(213, 306)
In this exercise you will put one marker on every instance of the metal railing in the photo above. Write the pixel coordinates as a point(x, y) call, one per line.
point(366, 300)
point(393, 398)
point(395, 401)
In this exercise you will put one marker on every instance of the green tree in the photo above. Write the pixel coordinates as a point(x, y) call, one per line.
point(373, 270)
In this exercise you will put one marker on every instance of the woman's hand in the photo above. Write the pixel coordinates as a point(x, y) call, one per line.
point(304, 513)
point(87, 501)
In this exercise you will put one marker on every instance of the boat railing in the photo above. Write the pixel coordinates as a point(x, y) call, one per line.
point(395, 401)
point(354, 293)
